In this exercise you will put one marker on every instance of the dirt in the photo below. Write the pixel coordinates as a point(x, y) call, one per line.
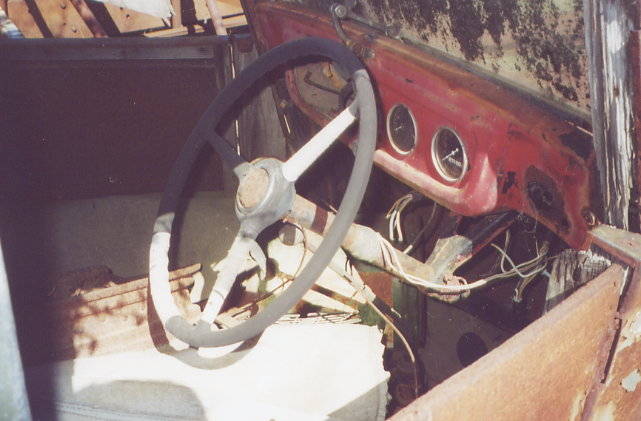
point(546, 36)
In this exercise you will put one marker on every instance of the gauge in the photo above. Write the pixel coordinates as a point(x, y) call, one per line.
point(401, 128)
point(448, 154)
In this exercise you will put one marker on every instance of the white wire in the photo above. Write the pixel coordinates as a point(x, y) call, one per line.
point(507, 242)
point(388, 250)
point(516, 268)
point(395, 229)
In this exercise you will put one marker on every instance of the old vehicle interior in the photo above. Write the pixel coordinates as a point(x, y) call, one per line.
point(320, 209)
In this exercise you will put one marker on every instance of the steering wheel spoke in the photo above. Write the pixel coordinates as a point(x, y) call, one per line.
point(309, 153)
point(228, 269)
point(234, 161)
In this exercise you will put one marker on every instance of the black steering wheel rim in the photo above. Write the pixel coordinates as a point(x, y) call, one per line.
point(201, 335)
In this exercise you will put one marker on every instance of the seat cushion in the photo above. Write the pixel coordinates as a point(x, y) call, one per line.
point(291, 372)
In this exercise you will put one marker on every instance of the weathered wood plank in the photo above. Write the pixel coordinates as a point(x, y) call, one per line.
point(226, 7)
point(61, 19)
point(127, 20)
point(570, 270)
point(90, 19)
point(19, 13)
point(608, 29)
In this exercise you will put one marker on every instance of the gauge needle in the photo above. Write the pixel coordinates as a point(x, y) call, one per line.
point(451, 154)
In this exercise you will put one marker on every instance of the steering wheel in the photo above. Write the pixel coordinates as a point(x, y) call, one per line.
point(265, 195)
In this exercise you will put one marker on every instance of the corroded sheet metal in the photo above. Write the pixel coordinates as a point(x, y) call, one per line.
point(538, 45)
point(624, 245)
point(105, 320)
point(619, 396)
point(544, 372)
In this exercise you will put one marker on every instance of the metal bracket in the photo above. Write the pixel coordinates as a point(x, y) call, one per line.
point(346, 11)
point(340, 12)
point(624, 245)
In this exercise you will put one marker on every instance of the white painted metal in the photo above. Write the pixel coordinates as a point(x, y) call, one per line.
point(298, 163)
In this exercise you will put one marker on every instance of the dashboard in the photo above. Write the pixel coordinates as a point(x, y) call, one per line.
point(464, 140)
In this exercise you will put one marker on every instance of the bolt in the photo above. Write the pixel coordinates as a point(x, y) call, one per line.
point(339, 10)
point(589, 217)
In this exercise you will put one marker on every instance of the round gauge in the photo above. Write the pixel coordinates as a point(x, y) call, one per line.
point(448, 154)
point(401, 128)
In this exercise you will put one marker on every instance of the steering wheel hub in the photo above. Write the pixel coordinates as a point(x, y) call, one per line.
point(253, 188)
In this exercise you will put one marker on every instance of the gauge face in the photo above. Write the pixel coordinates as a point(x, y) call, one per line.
point(449, 155)
point(401, 128)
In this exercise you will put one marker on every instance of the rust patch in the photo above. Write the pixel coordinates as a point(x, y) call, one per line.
point(103, 320)
point(630, 382)
point(541, 373)
point(545, 36)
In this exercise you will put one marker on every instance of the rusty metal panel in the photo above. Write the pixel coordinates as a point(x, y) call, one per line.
point(104, 320)
point(538, 45)
point(624, 245)
point(544, 372)
point(619, 396)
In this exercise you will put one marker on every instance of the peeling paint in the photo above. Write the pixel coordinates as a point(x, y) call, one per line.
point(631, 333)
point(605, 413)
point(538, 44)
point(577, 407)
point(631, 381)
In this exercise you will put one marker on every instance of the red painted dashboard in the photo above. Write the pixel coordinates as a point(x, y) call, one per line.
point(520, 154)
